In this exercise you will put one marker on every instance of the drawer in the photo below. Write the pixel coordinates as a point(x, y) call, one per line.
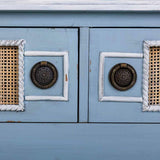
point(50, 75)
point(127, 49)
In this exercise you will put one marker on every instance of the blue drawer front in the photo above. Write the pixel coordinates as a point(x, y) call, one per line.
point(123, 40)
point(47, 40)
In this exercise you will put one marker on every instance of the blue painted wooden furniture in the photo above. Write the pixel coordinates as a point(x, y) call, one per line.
point(81, 126)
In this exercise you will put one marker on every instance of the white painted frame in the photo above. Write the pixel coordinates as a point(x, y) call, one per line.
point(66, 77)
point(20, 45)
point(146, 47)
point(81, 5)
point(102, 97)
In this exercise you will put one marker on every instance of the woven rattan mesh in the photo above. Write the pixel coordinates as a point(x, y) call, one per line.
point(9, 75)
point(154, 76)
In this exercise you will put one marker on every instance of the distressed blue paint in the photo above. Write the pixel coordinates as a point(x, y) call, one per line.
point(136, 90)
point(80, 19)
point(40, 39)
point(31, 89)
point(79, 141)
point(118, 40)
point(41, 141)
point(83, 75)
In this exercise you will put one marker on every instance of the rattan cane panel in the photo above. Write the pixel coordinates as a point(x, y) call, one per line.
point(9, 75)
point(154, 76)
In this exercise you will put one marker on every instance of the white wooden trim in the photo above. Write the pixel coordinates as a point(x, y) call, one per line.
point(49, 98)
point(44, 53)
point(65, 75)
point(146, 46)
point(81, 5)
point(101, 77)
point(121, 99)
point(152, 109)
point(123, 55)
point(11, 108)
point(20, 44)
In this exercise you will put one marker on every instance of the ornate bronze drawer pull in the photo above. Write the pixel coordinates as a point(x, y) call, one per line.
point(44, 74)
point(122, 76)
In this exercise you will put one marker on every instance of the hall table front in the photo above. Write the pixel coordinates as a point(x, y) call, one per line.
point(80, 80)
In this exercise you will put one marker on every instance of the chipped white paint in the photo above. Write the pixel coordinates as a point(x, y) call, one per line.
point(146, 46)
point(81, 5)
point(123, 55)
point(46, 98)
point(121, 99)
point(102, 97)
point(20, 44)
point(44, 53)
point(65, 75)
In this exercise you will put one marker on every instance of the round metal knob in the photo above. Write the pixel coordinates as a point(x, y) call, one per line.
point(122, 76)
point(44, 74)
